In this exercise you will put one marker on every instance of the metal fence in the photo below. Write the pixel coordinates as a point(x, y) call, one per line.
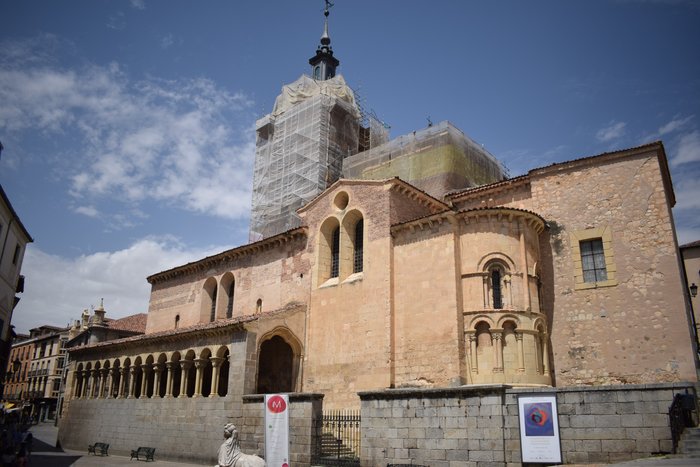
point(339, 444)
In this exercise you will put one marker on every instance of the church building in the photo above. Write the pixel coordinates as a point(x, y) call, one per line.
point(412, 263)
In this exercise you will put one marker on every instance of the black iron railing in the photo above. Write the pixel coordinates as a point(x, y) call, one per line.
point(680, 416)
point(339, 443)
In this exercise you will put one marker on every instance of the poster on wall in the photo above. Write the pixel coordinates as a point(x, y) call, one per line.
point(539, 428)
point(277, 430)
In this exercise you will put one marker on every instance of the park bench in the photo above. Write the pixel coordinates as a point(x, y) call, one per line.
point(143, 451)
point(102, 448)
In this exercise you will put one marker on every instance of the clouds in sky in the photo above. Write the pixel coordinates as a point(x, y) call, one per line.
point(69, 285)
point(187, 143)
point(614, 130)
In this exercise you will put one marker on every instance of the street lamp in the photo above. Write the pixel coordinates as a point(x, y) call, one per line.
point(693, 290)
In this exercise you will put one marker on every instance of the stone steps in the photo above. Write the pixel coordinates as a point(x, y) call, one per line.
point(689, 445)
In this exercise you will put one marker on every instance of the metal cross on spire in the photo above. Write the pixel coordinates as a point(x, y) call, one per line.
point(328, 5)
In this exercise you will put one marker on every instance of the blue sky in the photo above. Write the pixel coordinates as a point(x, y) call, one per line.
point(128, 126)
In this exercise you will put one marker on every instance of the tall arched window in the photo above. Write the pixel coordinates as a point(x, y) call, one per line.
point(177, 321)
point(359, 247)
point(497, 298)
point(229, 305)
point(258, 306)
point(212, 312)
point(335, 252)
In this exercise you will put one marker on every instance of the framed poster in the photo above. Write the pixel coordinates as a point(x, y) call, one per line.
point(277, 430)
point(539, 428)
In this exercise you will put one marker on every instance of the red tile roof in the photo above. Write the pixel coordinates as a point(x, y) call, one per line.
point(133, 323)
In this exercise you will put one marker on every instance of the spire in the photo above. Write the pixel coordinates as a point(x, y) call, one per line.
point(323, 64)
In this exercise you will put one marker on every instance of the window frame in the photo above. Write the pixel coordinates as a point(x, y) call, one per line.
point(581, 236)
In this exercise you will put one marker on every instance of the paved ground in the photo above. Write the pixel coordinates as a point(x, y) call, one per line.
point(45, 454)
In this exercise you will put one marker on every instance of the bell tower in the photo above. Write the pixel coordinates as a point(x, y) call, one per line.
point(323, 64)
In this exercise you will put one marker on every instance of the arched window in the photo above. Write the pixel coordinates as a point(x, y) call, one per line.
point(177, 321)
point(208, 301)
point(335, 252)
point(229, 305)
point(359, 247)
point(258, 306)
point(317, 72)
point(496, 297)
point(212, 312)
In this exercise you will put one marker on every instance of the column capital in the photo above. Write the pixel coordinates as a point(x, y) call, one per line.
point(216, 361)
point(201, 363)
point(186, 364)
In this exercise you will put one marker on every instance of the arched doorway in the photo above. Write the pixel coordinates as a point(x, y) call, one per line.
point(275, 366)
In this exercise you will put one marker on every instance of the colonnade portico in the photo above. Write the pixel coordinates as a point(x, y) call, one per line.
point(180, 374)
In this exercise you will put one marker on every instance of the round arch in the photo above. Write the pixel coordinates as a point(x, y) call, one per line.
point(279, 354)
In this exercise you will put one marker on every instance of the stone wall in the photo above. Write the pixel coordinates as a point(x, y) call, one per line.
point(187, 430)
point(304, 426)
point(478, 426)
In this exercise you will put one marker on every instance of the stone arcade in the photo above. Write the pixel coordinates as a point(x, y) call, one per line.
point(412, 274)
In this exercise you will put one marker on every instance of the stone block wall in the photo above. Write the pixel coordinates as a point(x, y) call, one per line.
point(478, 426)
point(187, 430)
point(304, 426)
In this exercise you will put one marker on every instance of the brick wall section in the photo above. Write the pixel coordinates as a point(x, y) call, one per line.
point(478, 426)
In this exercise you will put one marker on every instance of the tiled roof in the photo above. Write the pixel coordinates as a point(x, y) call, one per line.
point(133, 323)
point(218, 324)
point(691, 244)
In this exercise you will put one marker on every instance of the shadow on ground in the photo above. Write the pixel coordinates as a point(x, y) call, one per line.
point(53, 461)
point(40, 446)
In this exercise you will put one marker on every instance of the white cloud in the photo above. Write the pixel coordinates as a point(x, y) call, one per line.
point(187, 143)
point(59, 288)
point(167, 40)
point(89, 211)
point(614, 130)
point(676, 124)
point(688, 149)
point(138, 4)
point(687, 192)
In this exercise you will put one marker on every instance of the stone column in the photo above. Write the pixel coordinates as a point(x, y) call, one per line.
point(498, 349)
point(185, 365)
point(76, 382)
point(215, 374)
point(527, 301)
point(95, 384)
point(132, 382)
point(199, 364)
point(521, 353)
point(113, 372)
point(472, 353)
point(145, 370)
point(86, 383)
point(172, 367)
point(123, 372)
point(103, 382)
point(158, 370)
point(545, 354)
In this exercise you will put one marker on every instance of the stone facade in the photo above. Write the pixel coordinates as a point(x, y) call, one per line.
point(474, 427)
point(563, 277)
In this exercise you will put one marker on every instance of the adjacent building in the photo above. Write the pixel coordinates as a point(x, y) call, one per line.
point(13, 241)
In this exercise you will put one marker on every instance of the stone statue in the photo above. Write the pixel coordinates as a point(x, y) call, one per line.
point(230, 454)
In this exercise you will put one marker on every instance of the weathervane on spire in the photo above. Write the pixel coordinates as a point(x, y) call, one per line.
point(328, 5)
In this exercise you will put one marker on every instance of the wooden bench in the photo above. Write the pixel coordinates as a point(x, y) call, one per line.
point(102, 448)
point(143, 451)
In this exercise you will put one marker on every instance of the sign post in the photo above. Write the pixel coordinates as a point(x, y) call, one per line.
point(539, 428)
point(277, 430)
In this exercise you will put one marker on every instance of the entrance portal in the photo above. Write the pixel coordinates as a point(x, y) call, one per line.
point(275, 366)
